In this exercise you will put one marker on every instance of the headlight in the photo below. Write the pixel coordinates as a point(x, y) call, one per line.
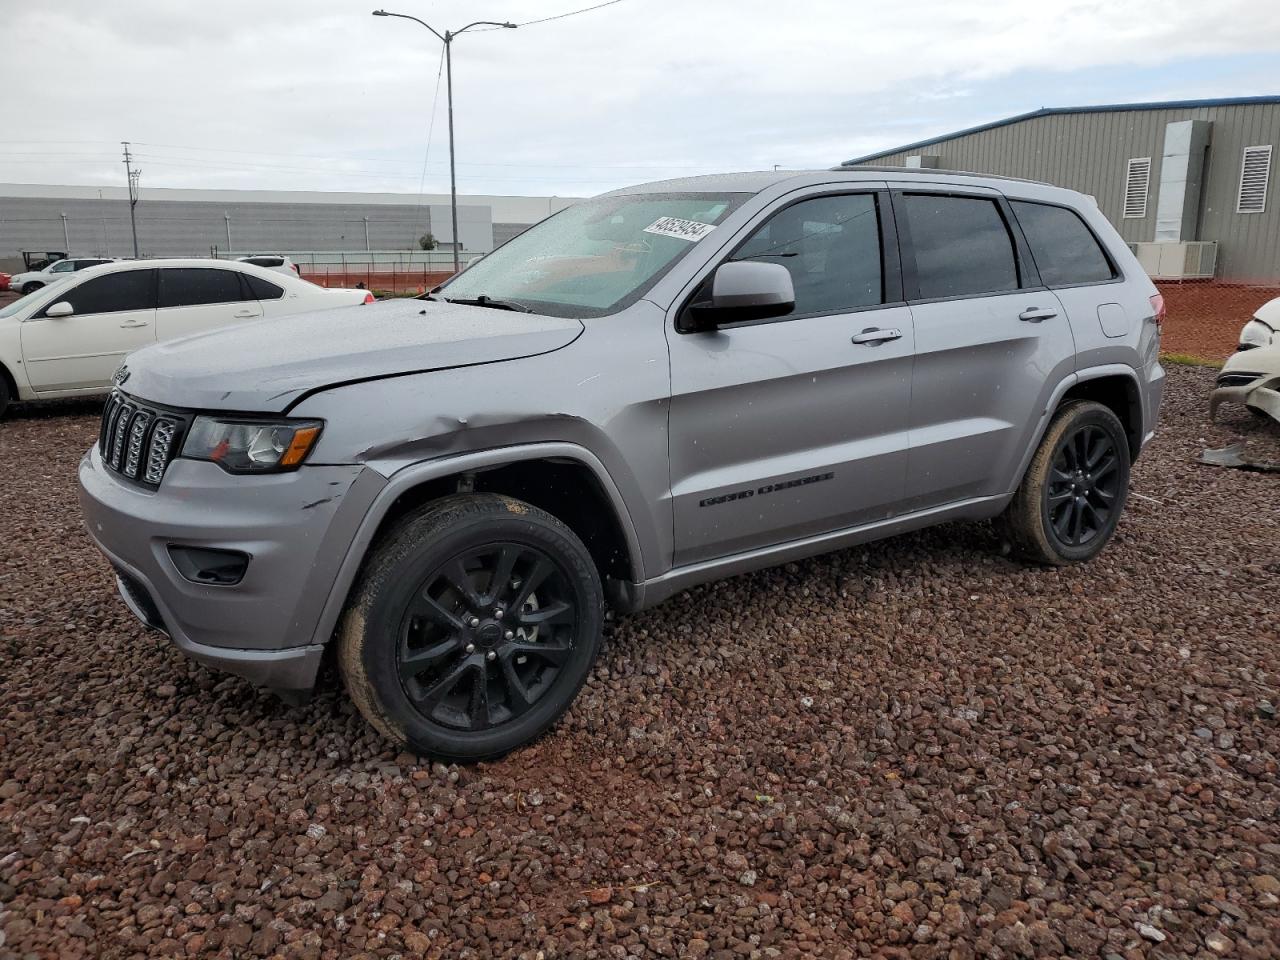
point(1256, 334)
point(251, 446)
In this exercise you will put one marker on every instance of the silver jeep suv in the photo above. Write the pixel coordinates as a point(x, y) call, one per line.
point(651, 389)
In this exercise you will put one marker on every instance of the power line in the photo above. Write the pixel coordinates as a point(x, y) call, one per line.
point(192, 163)
point(571, 13)
point(348, 159)
point(431, 126)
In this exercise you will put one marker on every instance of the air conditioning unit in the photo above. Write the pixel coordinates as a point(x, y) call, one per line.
point(1178, 260)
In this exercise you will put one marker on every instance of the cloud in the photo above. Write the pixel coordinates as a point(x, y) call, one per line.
point(320, 95)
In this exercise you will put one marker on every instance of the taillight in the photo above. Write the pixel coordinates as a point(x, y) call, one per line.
point(1157, 308)
point(369, 298)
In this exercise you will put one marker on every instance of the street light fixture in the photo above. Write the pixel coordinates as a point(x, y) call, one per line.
point(447, 39)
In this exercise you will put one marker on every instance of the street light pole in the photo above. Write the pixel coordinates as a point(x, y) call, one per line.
point(447, 39)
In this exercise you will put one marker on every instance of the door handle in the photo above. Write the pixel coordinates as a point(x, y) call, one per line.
point(134, 323)
point(246, 314)
point(1035, 314)
point(874, 335)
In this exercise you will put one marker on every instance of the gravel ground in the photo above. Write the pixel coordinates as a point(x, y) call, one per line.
point(917, 748)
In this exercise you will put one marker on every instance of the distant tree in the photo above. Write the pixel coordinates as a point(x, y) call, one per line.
point(427, 242)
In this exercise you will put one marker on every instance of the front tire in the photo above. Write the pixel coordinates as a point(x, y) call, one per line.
point(1070, 500)
point(31, 287)
point(473, 627)
point(5, 399)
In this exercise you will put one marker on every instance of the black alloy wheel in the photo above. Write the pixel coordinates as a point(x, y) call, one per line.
point(474, 624)
point(1068, 505)
point(1084, 485)
point(486, 635)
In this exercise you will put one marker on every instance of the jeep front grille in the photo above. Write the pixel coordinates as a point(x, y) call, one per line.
point(138, 440)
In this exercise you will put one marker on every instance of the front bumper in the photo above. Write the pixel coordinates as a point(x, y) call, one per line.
point(295, 527)
point(1262, 395)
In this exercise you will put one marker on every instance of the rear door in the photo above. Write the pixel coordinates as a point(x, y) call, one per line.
point(795, 426)
point(1106, 318)
point(196, 299)
point(991, 343)
point(114, 315)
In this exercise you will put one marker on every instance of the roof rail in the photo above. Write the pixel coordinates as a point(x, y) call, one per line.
point(921, 171)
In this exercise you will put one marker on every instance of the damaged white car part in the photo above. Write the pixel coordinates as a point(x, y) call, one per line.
point(1251, 377)
point(1261, 331)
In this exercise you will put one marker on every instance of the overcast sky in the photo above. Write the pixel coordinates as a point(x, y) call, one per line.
point(319, 95)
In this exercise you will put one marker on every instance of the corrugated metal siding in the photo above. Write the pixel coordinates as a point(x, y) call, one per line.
point(190, 228)
point(1089, 152)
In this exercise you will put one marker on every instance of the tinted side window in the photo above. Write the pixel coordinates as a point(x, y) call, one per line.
point(1065, 250)
point(962, 246)
point(830, 245)
point(263, 289)
point(192, 286)
point(114, 293)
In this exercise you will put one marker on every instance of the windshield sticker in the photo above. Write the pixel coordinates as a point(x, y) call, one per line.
point(690, 230)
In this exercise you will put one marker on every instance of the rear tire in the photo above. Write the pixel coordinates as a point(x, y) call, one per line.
point(5, 399)
point(1071, 497)
point(472, 628)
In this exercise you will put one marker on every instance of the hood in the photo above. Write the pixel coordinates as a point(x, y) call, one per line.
point(266, 366)
point(1269, 313)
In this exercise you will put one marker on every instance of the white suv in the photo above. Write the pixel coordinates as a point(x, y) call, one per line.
point(68, 338)
point(33, 280)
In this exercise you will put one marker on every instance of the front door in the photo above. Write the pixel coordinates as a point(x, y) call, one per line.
point(792, 427)
point(991, 345)
point(114, 314)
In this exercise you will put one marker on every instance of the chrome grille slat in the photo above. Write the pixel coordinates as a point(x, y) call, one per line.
point(121, 429)
point(159, 449)
point(138, 441)
point(137, 438)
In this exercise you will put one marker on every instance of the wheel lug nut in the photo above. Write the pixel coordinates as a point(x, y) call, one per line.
point(491, 655)
point(475, 621)
point(471, 648)
point(497, 613)
point(510, 635)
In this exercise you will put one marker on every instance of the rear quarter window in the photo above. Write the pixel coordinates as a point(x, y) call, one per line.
point(1064, 248)
point(263, 289)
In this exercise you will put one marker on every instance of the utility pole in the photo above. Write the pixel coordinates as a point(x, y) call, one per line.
point(447, 39)
point(133, 176)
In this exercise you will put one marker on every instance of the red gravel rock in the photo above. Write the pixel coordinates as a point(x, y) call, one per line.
point(916, 749)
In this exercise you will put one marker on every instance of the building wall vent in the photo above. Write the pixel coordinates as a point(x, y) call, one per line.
point(1137, 182)
point(1255, 172)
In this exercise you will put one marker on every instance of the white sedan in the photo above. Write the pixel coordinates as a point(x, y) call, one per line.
point(68, 338)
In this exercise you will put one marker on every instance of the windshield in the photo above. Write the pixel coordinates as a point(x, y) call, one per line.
point(595, 257)
point(30, 299)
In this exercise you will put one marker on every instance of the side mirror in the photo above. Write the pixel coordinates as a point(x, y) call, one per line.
point(742, 290)
point(60, 309)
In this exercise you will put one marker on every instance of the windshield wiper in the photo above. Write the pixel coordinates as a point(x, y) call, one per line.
point(484, 300)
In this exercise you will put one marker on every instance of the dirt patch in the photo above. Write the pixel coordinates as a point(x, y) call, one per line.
point(915, 748)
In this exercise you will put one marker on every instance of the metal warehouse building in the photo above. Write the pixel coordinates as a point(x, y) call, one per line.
point(95, 220)
point(1187, 183)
